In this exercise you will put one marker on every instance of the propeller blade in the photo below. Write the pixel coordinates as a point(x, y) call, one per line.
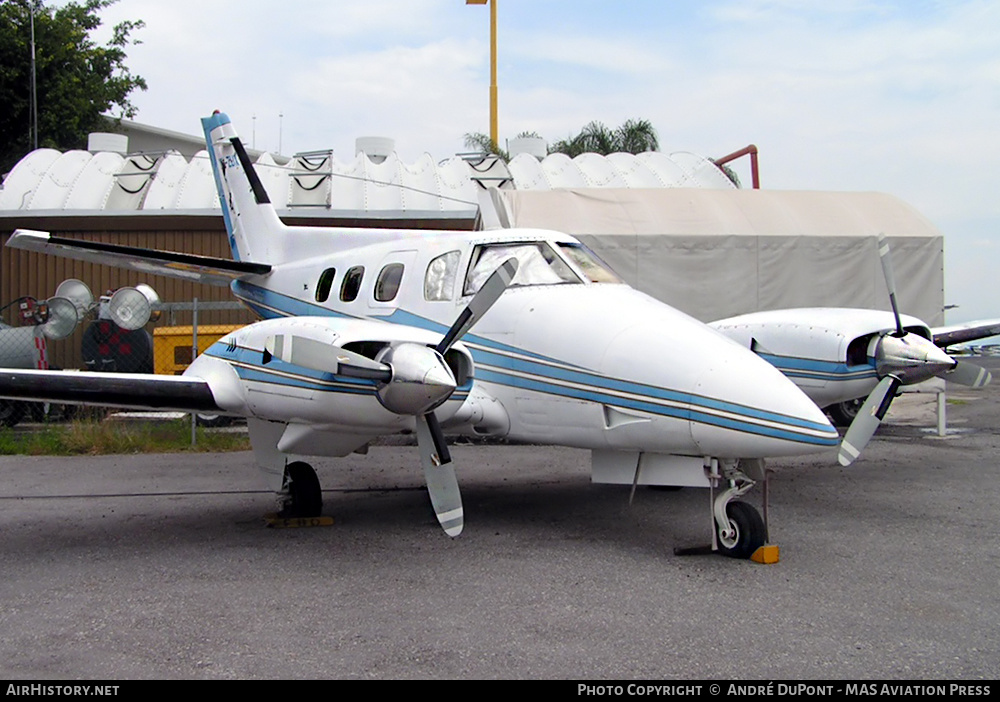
point(442, 485)
point(309, 353)
point(968, 374)
point(488, 294)
point(885, 254)
point(869, 417)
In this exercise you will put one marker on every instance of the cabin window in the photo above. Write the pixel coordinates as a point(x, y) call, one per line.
point(593, 268)
point(351, 286)
point(439, 282)
point(324, 284)
point(387, 283)
point(537, 264)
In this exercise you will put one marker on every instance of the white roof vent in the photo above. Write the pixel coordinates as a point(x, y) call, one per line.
point(377, 149)
point(104, 141)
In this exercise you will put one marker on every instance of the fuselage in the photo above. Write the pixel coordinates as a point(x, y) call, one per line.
point(570, 355)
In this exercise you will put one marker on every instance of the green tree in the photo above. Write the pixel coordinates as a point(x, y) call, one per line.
point(77, 79)
point(635, 136)
point(729, 173)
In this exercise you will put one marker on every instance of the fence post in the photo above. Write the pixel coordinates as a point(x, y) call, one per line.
point(194, 355)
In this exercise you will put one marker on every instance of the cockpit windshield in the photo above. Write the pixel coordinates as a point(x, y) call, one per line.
point(537, 263)
point(590, 265)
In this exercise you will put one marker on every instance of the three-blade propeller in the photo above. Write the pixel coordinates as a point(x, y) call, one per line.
point(412, 380)
point(901, 358)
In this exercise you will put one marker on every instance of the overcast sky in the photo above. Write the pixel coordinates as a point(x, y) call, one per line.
point(895, 96)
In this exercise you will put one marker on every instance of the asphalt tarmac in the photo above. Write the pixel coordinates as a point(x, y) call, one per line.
point(159, 566)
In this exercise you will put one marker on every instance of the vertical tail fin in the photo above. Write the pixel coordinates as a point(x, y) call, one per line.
point(256, 234)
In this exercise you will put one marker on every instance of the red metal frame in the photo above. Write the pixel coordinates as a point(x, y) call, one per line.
point(750, 150)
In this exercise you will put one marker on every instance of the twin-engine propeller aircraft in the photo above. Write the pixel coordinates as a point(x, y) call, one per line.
point(837, 355)
point(367, 332)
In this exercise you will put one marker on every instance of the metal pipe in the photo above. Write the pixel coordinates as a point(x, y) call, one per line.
point(750, 150)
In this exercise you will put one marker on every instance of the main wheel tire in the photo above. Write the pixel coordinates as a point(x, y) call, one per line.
point(214, 421)
point(36, 411)
point(749, 531)
point(50, 412)
point(305, 497)
point(11, 412)
point(843, 413)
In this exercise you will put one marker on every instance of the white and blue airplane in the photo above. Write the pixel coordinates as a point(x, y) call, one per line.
point(841, 356)
point(366, 332)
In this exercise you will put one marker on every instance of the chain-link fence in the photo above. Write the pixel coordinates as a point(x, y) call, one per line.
point(128, 335)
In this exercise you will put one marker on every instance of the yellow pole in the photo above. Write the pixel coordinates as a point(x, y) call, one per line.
point(494, 129)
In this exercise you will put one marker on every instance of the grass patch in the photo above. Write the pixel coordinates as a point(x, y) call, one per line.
point(93, 437)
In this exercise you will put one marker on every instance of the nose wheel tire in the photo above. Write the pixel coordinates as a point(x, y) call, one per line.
point(746, 532)
point(304, 497)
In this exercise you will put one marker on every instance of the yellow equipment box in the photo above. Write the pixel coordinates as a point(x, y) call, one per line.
point(172, 345)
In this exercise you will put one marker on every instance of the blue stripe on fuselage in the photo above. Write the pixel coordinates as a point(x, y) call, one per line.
point(684, 413)
point(545, 370)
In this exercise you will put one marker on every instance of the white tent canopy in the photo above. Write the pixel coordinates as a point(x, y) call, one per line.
point(716, 253)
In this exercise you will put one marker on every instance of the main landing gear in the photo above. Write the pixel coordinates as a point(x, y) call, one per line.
point(844, 413)
point(301, 496)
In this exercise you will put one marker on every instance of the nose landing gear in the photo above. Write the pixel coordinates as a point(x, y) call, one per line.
point(738, 530)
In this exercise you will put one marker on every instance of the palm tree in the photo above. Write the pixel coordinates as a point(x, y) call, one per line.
point(634, 137)
point(482, 143)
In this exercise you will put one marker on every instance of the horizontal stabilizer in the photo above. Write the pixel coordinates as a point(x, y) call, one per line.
point(204, 269)
point(134, 390)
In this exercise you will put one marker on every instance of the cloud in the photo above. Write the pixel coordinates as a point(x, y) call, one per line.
point(426, 96)
point(614, 56)
point(891, 96)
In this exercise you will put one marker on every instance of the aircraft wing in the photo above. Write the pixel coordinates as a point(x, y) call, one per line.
point(135, 390)
point(204, 269)
point(969, 331)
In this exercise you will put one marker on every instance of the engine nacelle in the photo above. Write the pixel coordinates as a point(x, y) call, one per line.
point(247, 379)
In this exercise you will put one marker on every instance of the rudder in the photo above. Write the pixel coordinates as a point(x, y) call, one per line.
point(256, 234)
